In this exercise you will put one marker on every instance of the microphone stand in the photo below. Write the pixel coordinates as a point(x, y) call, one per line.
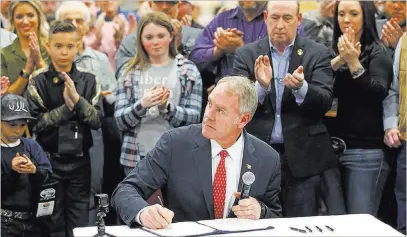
point(100, 222)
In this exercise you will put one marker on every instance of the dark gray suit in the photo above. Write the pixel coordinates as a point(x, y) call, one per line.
point(181, 165)
point(308, 160)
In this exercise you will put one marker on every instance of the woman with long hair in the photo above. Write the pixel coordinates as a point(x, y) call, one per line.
point(27, 52)
point(159, 90)
point(363, 73)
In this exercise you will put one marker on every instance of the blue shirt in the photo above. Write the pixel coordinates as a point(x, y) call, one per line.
point(280, 63)
point(202, 54)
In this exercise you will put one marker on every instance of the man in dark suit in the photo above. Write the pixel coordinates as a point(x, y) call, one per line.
point(294, 82)
point(199, 167)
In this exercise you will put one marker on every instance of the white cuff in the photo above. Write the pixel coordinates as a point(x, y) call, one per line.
point(300, 93)
point(138, 215)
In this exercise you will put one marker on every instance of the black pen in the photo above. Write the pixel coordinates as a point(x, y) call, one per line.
point(299, 230)
point(306, 227)
point(320, 230)
point(329, 228)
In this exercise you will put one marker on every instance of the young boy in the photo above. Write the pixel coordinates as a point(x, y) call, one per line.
point(66, 101)
point(24, 168)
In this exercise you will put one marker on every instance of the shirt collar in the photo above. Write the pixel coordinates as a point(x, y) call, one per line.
point(88, 52)
point(234, 151)
point(72, 74)
point(17, 49)
point(291, 45)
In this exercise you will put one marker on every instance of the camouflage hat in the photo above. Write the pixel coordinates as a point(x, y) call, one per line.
point(14, 107)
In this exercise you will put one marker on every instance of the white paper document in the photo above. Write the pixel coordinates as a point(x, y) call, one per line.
point(182, 229)
point(235, 224)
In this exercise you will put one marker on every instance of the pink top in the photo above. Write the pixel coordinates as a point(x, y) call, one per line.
point(107, 44)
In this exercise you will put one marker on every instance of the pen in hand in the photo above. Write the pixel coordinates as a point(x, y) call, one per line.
point(161, 201)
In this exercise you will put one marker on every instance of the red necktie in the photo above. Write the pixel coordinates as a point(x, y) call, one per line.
point(219, 186)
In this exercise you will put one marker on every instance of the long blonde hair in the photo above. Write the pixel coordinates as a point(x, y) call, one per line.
point(42, 32)
point(142, 60)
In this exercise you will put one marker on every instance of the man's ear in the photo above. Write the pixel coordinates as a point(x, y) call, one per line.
point(299, 18)
point(244, 120)
point(265, 15)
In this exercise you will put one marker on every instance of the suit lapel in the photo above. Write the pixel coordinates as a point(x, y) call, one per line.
point(295, 61)
point(263, 49)
point(203, 164)
point(249, 163)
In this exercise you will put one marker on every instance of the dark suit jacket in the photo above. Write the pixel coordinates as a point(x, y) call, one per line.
point(308, 148)
point(181, 165)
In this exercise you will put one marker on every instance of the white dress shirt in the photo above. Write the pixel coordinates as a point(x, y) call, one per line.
point(233, 164)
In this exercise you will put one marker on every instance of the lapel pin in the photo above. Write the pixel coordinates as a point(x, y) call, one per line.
point(249, 167)
point(55, 80)
point(300, 52)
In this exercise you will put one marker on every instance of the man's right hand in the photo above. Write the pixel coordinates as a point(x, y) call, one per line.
point(392, 138)
point(156, 217)
point(263, 71)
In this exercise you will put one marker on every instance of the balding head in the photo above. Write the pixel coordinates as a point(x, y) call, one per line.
point(284, 3)
point(282, 19)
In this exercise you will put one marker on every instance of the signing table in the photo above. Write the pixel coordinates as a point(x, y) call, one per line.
point(350, 225)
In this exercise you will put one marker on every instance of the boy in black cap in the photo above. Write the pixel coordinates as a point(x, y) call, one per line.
point(66, 101)
point(24, 168)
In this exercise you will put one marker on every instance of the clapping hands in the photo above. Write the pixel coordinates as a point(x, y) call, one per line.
point(391, 33)
point(157, 96)
point(228, 40)
point(70, 94)
point(349, 49)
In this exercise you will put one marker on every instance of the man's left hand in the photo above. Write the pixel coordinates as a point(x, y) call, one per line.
point(248, 208)
point(294, 81)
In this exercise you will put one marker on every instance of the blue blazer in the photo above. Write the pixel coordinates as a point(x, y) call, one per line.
point(181, 165)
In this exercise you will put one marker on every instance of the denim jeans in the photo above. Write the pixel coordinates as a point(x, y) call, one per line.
point(364, 173)
point(11, 227)
point(400, 189)
point(72, 199)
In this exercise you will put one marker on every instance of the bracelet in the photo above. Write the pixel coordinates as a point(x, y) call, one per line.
point(358, 72)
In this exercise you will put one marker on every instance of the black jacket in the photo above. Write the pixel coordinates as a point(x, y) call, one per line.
point(47, 104)
point(359, 120)
point(308, 149)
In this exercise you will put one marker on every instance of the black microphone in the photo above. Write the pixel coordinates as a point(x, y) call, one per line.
point(248, 179)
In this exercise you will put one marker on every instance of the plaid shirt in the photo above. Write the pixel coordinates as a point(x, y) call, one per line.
point(129, 112)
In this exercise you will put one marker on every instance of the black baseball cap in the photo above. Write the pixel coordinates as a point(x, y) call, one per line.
point(14, 107)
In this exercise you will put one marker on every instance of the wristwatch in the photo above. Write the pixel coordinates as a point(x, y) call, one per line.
point(24, 75)
point(263, 210)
